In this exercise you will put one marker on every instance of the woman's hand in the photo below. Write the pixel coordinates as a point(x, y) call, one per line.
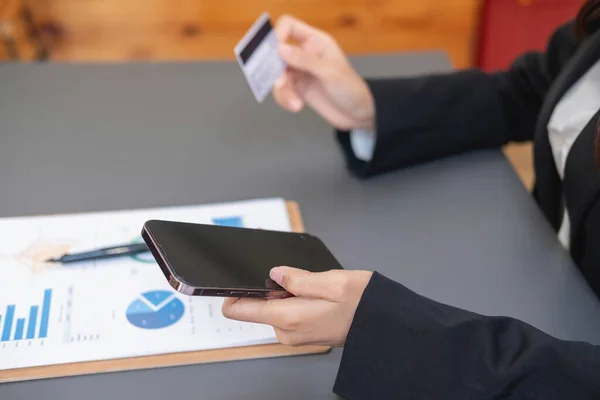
point(320, 75)
point(321, 313)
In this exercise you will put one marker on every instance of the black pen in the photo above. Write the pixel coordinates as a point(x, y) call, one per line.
point(107, 252)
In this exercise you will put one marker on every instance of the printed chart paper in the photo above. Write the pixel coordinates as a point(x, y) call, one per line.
point(117, 308)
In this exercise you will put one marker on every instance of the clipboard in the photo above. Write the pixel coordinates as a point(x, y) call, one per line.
point(170, 359)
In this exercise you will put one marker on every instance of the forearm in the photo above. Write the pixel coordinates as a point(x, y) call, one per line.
point(402, 345)
point(425, 118)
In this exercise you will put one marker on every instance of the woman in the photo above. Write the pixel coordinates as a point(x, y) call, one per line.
point(397, 344)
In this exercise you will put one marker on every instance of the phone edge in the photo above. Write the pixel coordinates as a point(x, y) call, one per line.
point(182, 287)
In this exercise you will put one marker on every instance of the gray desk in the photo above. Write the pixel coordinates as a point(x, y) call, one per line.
point(461, 230)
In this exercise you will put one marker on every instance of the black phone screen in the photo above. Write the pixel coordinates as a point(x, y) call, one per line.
point(214, 256)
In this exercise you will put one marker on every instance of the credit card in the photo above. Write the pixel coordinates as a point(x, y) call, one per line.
point(258, 56)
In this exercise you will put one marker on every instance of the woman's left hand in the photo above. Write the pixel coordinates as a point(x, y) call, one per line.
point(321, 313)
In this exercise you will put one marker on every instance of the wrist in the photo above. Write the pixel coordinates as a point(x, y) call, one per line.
point(365, 116)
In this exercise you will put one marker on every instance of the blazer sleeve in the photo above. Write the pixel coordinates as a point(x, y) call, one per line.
point(404, 346)
point(422, 118)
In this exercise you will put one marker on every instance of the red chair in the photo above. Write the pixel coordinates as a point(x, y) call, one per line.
point(510, 27)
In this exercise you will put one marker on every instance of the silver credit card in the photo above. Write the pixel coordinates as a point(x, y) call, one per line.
point(258, 56)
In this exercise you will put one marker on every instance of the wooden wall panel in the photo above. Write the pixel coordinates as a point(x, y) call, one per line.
point(17, 38)
point(3, 53)
point(113, 30)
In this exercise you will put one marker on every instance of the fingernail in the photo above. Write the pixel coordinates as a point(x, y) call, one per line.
point(296, 104)
point(277, 274)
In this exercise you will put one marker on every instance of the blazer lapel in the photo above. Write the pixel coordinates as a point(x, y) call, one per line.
point(582, 181)
point(548, 186)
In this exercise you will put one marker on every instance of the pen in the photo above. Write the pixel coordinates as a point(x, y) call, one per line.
point(107, 252)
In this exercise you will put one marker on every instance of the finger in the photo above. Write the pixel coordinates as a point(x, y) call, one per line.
point(314, 46)
point(286, 95)
point(321, 285)
point(229, 301)
point(301, 82)
point(302, 60)
point(288, 28)
point(244, 309)
point(279, 313)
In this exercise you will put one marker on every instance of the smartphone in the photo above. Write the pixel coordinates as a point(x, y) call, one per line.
point(226, 261)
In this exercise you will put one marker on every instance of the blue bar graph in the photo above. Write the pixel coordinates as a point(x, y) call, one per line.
point(8, 321)
point(33, 313)
point(45, 313)
point(19, 330)
point(235, 222)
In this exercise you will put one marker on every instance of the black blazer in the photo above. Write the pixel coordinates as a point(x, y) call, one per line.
point(404, 346)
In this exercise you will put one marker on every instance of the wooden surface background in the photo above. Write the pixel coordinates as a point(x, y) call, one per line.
point(115, 30)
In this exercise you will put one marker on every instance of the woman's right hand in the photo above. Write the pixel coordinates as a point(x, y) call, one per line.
point(319, 75)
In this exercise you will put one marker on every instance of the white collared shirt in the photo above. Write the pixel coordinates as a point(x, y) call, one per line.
point(572, 113)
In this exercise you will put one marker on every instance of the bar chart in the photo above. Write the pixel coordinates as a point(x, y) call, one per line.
point(117, 308)
point(26, 328)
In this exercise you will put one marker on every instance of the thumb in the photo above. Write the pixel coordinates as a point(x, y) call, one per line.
point(302, 60)
point(286, 95)
point(303, 283)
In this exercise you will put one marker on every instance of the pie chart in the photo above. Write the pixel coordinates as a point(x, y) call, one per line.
point(155, 309)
